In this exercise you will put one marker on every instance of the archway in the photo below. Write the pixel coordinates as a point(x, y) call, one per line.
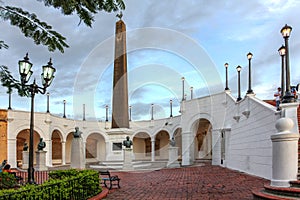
point(203, 139)
point(142, 146)
point(162, 140)
point(56, 147)
point(95, 148)
point(68, 147)
point(22, 137)
point(178, 141)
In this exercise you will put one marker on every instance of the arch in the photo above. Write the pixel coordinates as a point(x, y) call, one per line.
point(142, 146)
point(21, 138)
point(202, 133)
point(95, 147)
point(56, 142)
point(68, 146)
point(162, 140)
point(193, 119)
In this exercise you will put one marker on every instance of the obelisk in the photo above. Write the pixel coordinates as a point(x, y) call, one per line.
point(120, 118)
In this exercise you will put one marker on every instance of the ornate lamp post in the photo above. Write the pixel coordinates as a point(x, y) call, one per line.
point(281, 52)
point(191, 88)
point(106, 113)
point(83, 114)
point(47, 77)
point(48, 98)
point(9, 100)
point(288, 96)
point(182, 79)
point(171, 109)
point(249, 56)
point(130, 113)
point(152, 109)
point(239, 68)
point(226, 68)
point(64, 101)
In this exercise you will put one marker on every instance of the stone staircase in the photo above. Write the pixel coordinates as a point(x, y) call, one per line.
point(137, 165)
point(283, 193)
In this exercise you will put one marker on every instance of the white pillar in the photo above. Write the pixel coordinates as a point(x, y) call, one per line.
point(153, 150)
point(12, 152)
point(48, 149)
point(107, 150)
point(187, 148)
point(285, 154)
point(63, 149)
point(216, 147)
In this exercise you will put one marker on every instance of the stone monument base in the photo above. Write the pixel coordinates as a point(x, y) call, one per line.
point(25, 159)
point(41, 161)
point(77, 154)
point(127, 159)
point(173, 158)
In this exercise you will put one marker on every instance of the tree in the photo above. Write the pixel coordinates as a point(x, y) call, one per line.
point(42, 33)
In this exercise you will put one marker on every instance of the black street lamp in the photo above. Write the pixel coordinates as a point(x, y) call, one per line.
point(64, 101)
point(152, 109)
point(9, 100)
point(130, 113)
point(239, 68)
point(83, 114)
point(249, 56)
point(182, 79)
point(47, 77)
point(226, 68)
point(171, 109)
point(106, 113)
point(288, 96)
point(48, 96)
point(281, 52)
point(191, 88)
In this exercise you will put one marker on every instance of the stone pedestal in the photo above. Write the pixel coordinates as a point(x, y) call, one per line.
point(127, 159)
point(285, 154)
point(173, 157)
point(77, 154)
point(25, 159)
point(41, 161)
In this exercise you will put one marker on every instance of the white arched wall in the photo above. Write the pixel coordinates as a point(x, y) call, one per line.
point(142, 144)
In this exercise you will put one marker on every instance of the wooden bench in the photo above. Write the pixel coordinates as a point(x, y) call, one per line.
point(113, 180)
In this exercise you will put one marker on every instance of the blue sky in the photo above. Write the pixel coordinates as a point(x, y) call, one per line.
point(166, 40)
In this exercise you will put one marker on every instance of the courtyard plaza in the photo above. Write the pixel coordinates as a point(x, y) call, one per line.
point(200, 181)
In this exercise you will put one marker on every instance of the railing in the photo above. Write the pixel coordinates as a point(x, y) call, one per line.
point(39, 176)
point(73, 189)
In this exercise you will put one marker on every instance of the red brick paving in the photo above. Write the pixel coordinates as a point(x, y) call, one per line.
point(197, 182)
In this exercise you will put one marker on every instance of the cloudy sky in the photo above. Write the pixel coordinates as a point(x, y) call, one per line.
point(166, 40)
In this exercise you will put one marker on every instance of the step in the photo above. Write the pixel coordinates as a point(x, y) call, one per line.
point(295, 184)
point(263, 195)
point(285, 191)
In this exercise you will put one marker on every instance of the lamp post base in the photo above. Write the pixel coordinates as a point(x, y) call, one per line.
point(288, 98)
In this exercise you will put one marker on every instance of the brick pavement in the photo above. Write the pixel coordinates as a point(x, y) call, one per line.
point(196, 182)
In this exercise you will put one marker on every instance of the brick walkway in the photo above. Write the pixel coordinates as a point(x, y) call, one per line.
point(197, 182)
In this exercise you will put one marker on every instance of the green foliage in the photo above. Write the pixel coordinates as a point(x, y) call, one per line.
point(7, 180)
point(3, 45)
point(32, 27)
point(8, 81)
point(85, 9)
point(63, 184)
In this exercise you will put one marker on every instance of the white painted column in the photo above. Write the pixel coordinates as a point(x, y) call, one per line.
point(107, 150)
point(285, 153)
point(63, 149)
point(12, 152)
point(153, 150)
point(48, 149)
point(187, 148)
point(216, 147)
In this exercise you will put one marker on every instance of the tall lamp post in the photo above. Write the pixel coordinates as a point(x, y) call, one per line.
point(249, 56)
point(226, 70)
point(130, 113)
point(47, 77)
point(9, 100)
point(281, 52)
point(64, 101)
point(288, 96)
point(152, 107)
point(191, 88)
point(48, 98)
point(171, 109)
point(106, 113)
point(182, 79)
point(83, 114)
point(239, 68)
